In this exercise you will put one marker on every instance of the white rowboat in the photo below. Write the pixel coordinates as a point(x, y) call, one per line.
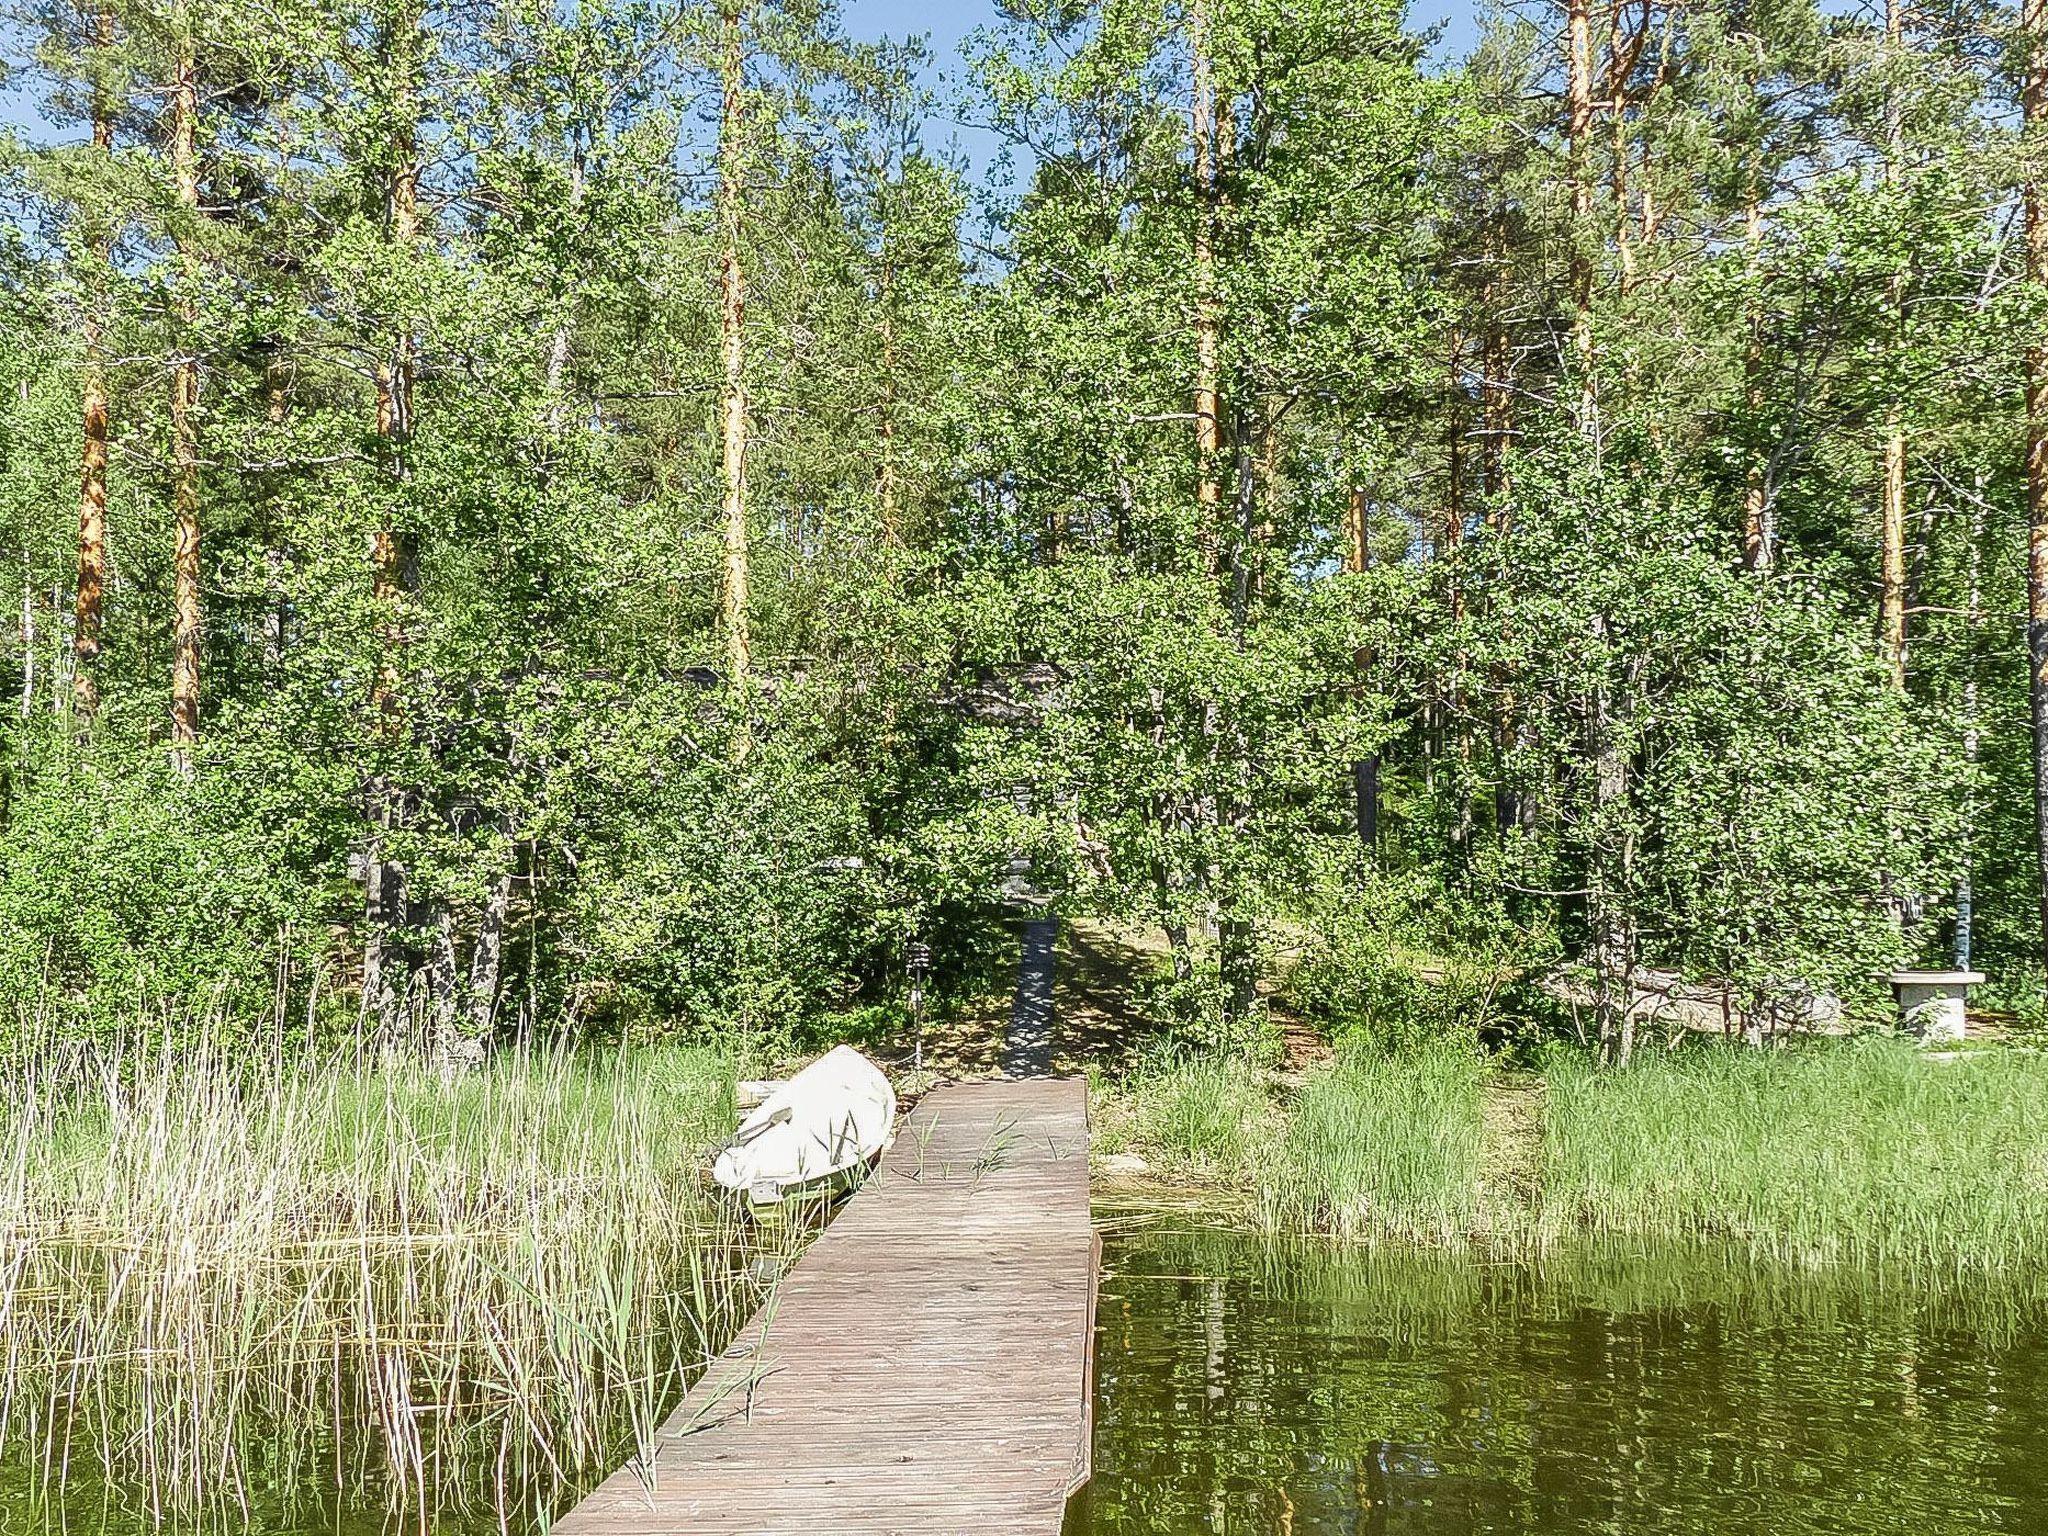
point(835, 1115)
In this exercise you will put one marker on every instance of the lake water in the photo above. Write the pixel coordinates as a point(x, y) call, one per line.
point(1295, 1391)
point(1251, 1389)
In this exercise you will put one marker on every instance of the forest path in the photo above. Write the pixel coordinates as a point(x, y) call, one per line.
point(1027, 1048)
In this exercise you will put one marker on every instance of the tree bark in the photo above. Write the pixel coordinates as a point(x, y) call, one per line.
point(1454, 539)
point(1455, 404)
point(1237, 967)
point(1892, 552)
point(1579, 133)
point(732, 343)
point(1357, 545)
point(1973, 602)
point(393, 560)
point(88, 611)
point(28, 636)
point(885, 472)
point(187, 632)
point(486, 961)
point(1623, 49)
point(277, 391)
point(2034, 111)
point(885, 311)
point(1208, 318)
point(1759, 535)
point(558, 342)
point(1892, 511)
point(1496, 387)
point(1613, 845)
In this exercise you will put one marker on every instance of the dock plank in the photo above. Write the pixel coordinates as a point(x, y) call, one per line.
point(923, 1368)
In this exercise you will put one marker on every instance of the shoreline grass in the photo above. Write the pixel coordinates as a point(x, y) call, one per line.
point(444, 1293)
point(1865, 1152)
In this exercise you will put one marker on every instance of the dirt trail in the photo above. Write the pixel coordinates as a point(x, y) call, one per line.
point(1027, 1047)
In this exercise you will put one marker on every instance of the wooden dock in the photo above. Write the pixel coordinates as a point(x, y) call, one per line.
point(924, 1368)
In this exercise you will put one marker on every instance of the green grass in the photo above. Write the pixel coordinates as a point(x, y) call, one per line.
point(1368, 1145)
point(1387, 1145)
point(1868, 1152)
point(478, 1290)
point(1203, 1114)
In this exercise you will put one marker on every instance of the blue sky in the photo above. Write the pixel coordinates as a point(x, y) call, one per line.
point(948, 21)
point(945, 23)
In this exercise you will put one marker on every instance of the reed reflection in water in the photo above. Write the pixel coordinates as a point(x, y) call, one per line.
point(1249, 1387)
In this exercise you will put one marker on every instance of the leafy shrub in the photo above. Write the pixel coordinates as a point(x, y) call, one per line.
point(125, 890)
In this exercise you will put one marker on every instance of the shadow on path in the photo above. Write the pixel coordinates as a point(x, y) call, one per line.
point(1027, 1051)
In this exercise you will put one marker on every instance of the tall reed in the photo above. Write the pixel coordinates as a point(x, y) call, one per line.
point(479, 1290)
point(1868, 1151)
point(1381, 1145)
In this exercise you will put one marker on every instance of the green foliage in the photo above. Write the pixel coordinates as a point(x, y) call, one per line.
point(1010, 625)
point(114, 896)
point(1394, 968)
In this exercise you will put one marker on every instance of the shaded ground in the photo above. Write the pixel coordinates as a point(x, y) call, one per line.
point(1081, 1000)
point(1106, 973)
point(1027, 1048)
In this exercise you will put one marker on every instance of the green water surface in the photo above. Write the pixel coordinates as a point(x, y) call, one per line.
point(1243, 1387)
point(1246, 1387)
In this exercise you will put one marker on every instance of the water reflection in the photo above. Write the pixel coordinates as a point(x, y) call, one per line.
point(1243, 1387)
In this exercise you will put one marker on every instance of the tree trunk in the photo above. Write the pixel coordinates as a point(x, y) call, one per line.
point(486, 961)
point(1892, 512)
point(277, 390)
point(88, 602)
point(1181, 952)
point(1237, 968)
point(1579, 132)
point(382, 883)
point(1972, 725)
point(558, 342)
point(732, 343)
point(446, 1048)
point(393, 560)
point(1496, 388)
point(1208, 319)
point(885, 472)
point(1759, 536)
point(186, 603)
point(1454, 539)
point(1357, 548)
point(2034, 110)
point(1621, 55)
point(1892, 541)
point(28, 636)
point(885, 310)
point(1454, 461)
point(1614, 934)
